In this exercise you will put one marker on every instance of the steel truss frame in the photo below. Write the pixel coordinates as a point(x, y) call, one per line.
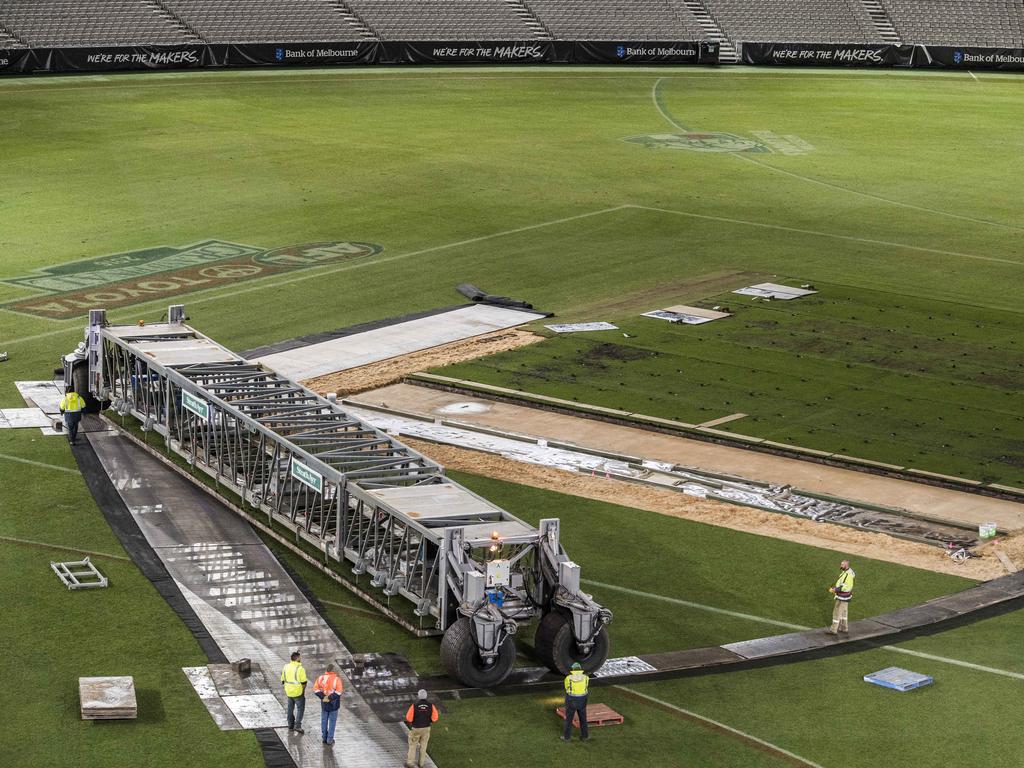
point(310, 467)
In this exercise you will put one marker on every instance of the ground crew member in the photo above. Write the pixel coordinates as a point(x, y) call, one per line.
point(72, 405)
point(328, 689)
point(294, 678)
point(420, 716)
point(577, 684)
point(843, 592)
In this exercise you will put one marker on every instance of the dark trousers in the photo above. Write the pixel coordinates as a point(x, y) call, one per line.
point(576, 705)
point(71, 421)
point(296, 706)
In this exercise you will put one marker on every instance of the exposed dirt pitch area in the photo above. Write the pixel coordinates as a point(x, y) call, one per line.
point(385, 372)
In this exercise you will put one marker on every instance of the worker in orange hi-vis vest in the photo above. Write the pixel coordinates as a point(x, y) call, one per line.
point(328, 689)
point(420, 716)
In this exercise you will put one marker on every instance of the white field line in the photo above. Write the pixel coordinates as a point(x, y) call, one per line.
point(49, 545)
point(799, 628)
point(870, 196)
point(723, 726)
point(661, 110)
point(832, 235)
point(309, 274)
point(8, 457)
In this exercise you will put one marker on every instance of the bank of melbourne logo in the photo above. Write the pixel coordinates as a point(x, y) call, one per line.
point(621, 51)
point(958, 57)
point(700, 142)
point(279, 54)
point(124, 279)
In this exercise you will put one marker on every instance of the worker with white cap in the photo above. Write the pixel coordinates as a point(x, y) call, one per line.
point(577, 686)
point(420, 716)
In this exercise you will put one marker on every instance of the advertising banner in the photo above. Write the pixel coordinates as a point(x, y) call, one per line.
point(310, 54)
point(828, 55)
point(602, 52)
point(470, 52)
point(17, 61)
point(125, 58)
point(968, 58)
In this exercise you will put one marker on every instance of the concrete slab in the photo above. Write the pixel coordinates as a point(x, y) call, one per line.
point(938, 503)
point(203, 684)
point(257, 710)
point(21, 418)
point(45, 395)
point(395, 340)
point(107, 698)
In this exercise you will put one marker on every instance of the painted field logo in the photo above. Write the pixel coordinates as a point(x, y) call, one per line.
point(699, 142)
point(124, 279)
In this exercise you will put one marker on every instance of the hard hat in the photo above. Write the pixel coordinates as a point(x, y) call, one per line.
point(575, 665)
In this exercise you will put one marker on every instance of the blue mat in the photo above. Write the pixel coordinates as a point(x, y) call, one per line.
point(898, 679)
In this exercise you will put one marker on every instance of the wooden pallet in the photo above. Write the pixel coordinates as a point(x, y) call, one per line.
point(597, 716)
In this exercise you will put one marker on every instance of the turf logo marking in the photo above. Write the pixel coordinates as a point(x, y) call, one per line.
point(699, 142)
point(123, 279)
point(764, 142)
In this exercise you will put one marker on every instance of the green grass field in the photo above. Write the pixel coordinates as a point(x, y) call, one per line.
point(905, 214)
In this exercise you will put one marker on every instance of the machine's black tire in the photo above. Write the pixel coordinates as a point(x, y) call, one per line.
point(555, 645)
point(80, 381)
point(460, 657)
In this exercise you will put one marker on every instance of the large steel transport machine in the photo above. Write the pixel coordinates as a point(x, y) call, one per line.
point(360, 497)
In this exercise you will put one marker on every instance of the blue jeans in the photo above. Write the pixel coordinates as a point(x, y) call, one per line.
point(328, 719)
point(296, 706)
point(576, 705)
point(71, 420)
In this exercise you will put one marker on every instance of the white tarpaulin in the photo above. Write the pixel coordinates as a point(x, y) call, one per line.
point(580, 327)
point(774, 291)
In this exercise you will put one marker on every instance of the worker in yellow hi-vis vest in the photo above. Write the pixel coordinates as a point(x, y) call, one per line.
point(294, 678)
point(842, 590)
point(577, 686)
point(72, 405)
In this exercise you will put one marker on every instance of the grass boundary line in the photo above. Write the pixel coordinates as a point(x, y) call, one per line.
point(717, 727)
point(44, 465)
point(831, 235)
point(48, 545)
